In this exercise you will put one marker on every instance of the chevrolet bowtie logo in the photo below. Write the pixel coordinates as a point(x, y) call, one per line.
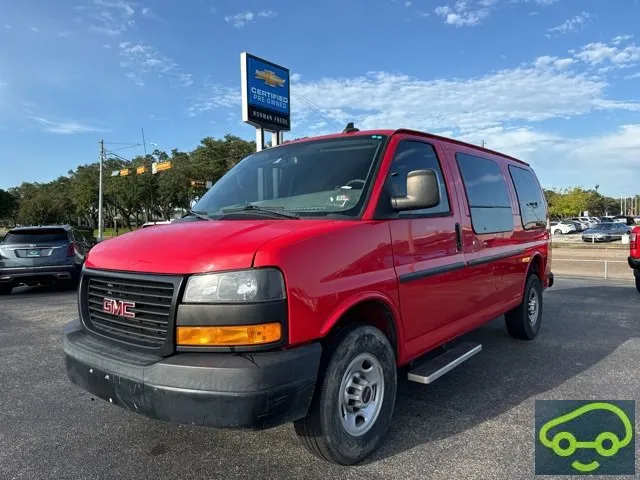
point(270, 78)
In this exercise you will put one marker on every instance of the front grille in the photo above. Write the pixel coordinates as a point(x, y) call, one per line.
point(153, 309)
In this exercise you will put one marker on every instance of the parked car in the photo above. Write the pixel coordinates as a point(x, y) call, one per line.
point(584, 223)
point(624, 220)
point(634, 255)
point(560, 228)
point(42, 254)
point(589, 221)
point(579, 225)
point(305, 277)
point(605, 232)
point(151, 224)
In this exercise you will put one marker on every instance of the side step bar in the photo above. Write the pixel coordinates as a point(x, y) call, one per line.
point(431, 369)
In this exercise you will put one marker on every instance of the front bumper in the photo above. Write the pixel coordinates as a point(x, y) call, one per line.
point(257, 391)
point(635, 264)
point(19, 275)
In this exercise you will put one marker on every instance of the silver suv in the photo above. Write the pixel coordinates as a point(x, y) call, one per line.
point(43, 254)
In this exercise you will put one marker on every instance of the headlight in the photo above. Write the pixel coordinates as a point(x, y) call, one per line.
point(260, 285)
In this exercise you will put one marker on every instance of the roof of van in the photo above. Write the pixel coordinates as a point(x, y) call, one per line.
point(390, 132)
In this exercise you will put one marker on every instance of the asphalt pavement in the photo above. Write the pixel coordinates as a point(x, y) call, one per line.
point(475, 422)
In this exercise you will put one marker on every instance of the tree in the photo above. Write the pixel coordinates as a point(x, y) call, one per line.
point(8, 207)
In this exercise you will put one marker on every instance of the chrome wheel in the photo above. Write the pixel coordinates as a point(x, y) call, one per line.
point(361, 394)
point(532, 307)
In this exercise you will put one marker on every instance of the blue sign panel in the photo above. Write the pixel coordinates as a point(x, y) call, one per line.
point(266, 94)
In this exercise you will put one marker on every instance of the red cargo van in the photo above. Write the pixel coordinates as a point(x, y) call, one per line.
point(305, 277)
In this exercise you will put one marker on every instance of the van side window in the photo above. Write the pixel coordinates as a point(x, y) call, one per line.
point(533, 208)
point(410, 156)
point(487, 194)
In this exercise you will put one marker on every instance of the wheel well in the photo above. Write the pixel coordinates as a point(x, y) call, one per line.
point(369, 312)
point(536, 267)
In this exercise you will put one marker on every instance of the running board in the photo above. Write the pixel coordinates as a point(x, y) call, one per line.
point(431, 369)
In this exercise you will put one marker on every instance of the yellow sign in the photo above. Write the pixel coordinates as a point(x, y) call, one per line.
point(160, 166)
point(124, 172)
point(141, 170)
point(270, 78)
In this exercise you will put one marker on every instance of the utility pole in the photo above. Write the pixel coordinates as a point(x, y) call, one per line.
point(483, 143)
point(100, 222)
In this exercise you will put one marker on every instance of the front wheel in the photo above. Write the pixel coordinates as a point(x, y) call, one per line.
point(354, 399)
point(523, 322)
point(557, 232)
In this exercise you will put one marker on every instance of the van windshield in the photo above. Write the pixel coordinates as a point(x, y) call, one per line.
point(316, 178)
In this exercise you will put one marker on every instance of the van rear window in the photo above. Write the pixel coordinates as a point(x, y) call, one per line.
point(36, 236)
point(533, 208)
point(487, 194)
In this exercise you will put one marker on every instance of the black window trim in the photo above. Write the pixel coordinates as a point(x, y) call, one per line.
point(466, 194)
point(515, 189)
point(409, 215)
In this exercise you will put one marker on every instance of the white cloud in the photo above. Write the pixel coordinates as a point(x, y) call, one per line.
point(408, 3)
point(465, 12)
point(213, 10)
point(8, 27)
point(34, 29)
point(631, 77)
point(239, 20)
point(573, 24)
point(267, 14)
point(141, 60)
point(148, 13)
point(214, 97)
point(621, 39)
point(295, 77)
point(108, 17)
point(64, 127)
point(614, 54)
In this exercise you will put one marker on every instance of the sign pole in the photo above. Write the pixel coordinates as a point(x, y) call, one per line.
point(275, 139)
point(259, 139)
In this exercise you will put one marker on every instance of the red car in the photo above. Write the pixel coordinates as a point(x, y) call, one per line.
point(305, 277)
point(634, 255)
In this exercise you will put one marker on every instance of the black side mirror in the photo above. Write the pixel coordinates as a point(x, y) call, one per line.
point(423, 191)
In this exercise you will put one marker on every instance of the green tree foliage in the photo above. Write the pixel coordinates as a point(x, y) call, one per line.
point(573, 201)
point(132, 198)
point(8, 207)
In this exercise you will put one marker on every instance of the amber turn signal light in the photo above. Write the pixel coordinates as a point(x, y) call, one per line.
point(236, 335)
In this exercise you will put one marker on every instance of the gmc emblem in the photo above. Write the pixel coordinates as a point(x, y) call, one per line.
point(119, 308)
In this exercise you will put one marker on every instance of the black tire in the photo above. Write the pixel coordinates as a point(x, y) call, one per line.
point(5, 289)
point(517, 320)
point(557, 232)
point(638, 283)
point(322, 431)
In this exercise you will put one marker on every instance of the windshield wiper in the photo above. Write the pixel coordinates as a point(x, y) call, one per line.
point(278, 211)
point(199, 215)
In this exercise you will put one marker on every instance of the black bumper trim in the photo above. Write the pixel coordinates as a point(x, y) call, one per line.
point(551, 279)
point(635, 264)
point(58, 272)
point(255, 391)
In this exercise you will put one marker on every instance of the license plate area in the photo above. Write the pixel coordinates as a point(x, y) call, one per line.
point(33, 253)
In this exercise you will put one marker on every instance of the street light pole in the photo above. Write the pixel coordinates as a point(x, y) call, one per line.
point(100, 221)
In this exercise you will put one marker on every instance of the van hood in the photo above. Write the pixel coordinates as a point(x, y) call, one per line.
point(193, 246)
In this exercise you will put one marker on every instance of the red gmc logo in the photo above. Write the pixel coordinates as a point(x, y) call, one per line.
point(120, 308)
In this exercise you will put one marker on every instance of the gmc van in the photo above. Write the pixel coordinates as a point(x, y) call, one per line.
point(304, 279)
point(634, 255)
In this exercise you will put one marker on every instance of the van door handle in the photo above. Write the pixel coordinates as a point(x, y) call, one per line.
point(458, 237)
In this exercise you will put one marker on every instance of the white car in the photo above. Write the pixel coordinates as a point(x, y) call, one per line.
point(562, 228)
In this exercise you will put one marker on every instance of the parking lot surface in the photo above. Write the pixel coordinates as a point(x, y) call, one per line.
point(475, 422)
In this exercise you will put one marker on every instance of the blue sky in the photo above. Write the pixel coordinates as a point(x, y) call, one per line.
point(555, 82)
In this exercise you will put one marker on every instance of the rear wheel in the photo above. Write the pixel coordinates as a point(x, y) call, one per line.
point(557, 232)
point(523, 322)
point(354, 399)
point(5, 289)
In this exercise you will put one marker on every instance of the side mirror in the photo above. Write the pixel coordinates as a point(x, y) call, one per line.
point(422, 191)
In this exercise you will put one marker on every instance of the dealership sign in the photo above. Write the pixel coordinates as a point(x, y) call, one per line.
point(265, 94)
